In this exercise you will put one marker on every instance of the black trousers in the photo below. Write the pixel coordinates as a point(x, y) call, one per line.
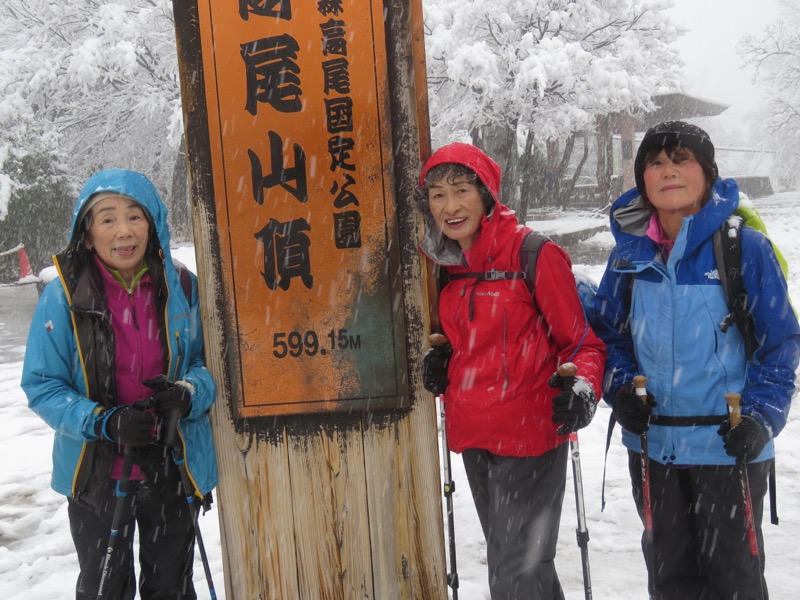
point(166, 541)
point(700, 536)
point(519, 506)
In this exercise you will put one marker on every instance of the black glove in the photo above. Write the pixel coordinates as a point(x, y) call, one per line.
point(746, 440)
point(169, 398)
point(631, 412)
point(434, 368)
point(574, 407)
point(130, 425)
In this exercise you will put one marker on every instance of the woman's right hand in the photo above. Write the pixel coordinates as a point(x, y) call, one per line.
point(434, 368)
point(633, 411)
point(129, 425)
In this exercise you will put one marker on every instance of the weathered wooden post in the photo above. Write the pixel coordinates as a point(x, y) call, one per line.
point(305, 124)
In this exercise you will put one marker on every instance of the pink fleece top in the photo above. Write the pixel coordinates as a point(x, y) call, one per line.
point(656, 233)
point(138, 352)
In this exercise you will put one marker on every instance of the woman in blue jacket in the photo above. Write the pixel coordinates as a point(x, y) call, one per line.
point(659, 309)
point(114, 364)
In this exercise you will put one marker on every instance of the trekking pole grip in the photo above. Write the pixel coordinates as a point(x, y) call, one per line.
point(567, 372)
point(437, 339)
point(640, 385)
point(734, 402)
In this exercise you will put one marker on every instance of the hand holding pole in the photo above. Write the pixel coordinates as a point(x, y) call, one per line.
point(567, 372)
point(640, 386)
point(734, 402)
point(437, 339)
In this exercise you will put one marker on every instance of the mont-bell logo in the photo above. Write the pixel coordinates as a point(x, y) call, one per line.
point(713, 274)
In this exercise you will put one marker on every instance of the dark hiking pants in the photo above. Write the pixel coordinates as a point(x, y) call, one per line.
point(158, 507)
point(700, 537)
point(519, 505)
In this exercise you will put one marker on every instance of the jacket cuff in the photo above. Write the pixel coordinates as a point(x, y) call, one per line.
point(93, 427)
point(185, 384)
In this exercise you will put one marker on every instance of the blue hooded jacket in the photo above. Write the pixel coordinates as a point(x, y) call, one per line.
point(673, 335)
point(66, 342)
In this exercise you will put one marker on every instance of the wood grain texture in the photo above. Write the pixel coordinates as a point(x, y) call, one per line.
point(322, 506)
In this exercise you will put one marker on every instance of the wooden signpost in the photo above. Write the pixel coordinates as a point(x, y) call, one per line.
point(305, 126)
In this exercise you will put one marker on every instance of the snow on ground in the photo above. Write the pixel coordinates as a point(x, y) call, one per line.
point(37, 560)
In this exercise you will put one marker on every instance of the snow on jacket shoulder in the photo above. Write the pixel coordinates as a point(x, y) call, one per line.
point(504, 348)
point(662, 319)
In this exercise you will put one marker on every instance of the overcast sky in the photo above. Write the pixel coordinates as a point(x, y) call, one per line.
point(713, 67)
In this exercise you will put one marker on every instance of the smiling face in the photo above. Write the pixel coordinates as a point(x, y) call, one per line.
point(675, 182)
point(119, 233)
point(457, 207)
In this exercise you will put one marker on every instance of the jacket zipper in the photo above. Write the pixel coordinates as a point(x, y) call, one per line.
point(505, 350)
point(133, 310)
point(179, 356)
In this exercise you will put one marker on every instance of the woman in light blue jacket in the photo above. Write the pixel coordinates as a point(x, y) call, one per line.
point(114, 364)
point(659, 308)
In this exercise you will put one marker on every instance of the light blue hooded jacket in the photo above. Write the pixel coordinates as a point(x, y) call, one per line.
point(68, 339)
point(674, 336)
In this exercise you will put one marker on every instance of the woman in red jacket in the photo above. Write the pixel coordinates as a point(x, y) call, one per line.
point(503, 413)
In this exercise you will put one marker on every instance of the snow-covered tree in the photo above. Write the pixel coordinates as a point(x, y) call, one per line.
point(775, 55)
point(37, 212)
point(517, 76)
point(94, 83)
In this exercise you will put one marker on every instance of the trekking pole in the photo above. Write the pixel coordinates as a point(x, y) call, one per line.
point(449, 486)
point(640, 384)
point(734, 402)
point(171, 442)
point(119, 509)
point(567, 372)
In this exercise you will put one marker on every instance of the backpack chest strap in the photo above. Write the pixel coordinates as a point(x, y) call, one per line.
point(491, 275)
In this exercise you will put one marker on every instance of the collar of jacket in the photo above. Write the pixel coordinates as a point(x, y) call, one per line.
point(629, 217)
point(446, 252)
point(120, 279)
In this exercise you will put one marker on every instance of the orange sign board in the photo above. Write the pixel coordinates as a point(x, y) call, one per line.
point(301, 154)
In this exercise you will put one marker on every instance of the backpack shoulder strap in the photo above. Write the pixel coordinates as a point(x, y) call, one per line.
point(529, 254)
point(186, 279)
point(728, 254)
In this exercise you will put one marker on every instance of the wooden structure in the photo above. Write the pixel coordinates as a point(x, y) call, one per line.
point(335, 494)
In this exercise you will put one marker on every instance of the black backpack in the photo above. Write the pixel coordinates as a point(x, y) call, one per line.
point(528, 257)
point(728, 253)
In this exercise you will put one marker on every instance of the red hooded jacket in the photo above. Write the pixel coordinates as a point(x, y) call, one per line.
point(503, 354)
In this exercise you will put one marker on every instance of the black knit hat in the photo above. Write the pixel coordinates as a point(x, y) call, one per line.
point(674, 134)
